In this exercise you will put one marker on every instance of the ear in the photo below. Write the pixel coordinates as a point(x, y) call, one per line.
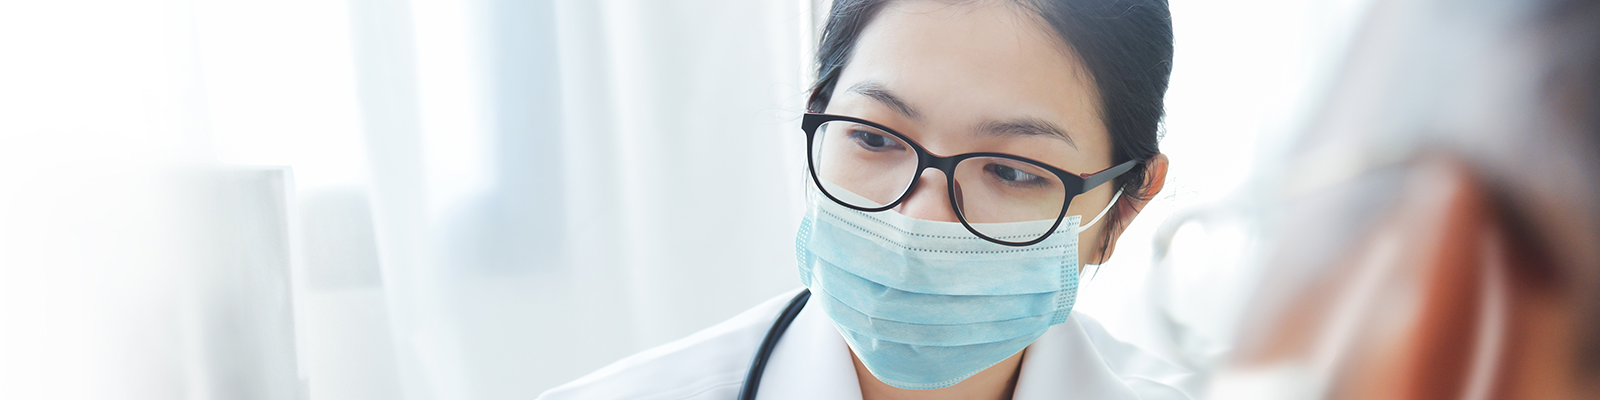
point(1129, 205)
point(1479, 324)
point(1452, 241)
point(1488, 323)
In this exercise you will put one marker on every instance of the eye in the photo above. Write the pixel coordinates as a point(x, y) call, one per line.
point(874, 141)
point(1013, 176)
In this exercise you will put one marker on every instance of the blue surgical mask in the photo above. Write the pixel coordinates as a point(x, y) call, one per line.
point(925, 304)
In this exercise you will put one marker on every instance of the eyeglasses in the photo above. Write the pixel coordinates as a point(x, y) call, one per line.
point(868, 167)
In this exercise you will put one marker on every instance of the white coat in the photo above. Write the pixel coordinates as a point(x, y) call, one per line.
point(1077, 359)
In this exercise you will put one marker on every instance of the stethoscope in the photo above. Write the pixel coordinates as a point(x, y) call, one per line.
point(759, 363)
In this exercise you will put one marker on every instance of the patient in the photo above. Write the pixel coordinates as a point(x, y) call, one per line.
point(1439, 235)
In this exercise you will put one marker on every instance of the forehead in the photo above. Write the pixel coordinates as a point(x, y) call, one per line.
point(962, 63)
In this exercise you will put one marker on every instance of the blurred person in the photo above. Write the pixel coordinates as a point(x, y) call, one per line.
point(967, 157)
point(1439, 230)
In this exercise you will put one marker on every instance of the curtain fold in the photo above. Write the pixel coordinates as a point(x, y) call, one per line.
point(582, 180)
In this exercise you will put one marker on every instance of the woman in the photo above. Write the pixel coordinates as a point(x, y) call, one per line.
point(959, 152)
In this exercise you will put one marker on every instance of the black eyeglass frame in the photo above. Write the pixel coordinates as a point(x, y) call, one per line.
point(925, 159)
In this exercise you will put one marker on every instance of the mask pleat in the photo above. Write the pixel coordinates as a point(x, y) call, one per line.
point(933, 266)
point(882, 302)
point(926, 304)
point(924, 334)
point(917, 367)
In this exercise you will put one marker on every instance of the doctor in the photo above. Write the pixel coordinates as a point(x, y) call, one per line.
point(966, 158)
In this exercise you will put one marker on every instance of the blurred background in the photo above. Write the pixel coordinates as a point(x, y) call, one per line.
point(482, 199)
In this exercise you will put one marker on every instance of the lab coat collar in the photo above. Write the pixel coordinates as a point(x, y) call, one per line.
point(812, 361)
point(1065, 361)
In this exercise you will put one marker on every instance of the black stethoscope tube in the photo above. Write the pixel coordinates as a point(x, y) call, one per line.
point(758, 365)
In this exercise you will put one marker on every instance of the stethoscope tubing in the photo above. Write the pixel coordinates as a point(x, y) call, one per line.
point(758, 365)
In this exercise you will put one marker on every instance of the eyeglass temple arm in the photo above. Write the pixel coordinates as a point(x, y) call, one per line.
point(1100, 178)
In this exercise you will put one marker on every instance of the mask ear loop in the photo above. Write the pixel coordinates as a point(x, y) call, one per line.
point(1096, 219)
point(1103, 212)
point(1491, 321)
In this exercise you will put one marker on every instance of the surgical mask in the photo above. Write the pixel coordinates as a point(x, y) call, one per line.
point(926, 304)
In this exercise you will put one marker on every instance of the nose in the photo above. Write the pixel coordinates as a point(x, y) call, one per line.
point(929, 199)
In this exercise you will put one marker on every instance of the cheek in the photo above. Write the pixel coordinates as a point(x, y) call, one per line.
point(1088, 205)
point(1090, 243)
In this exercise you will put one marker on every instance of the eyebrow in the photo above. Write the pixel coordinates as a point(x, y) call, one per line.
point(1025, 126)
point(882, 95)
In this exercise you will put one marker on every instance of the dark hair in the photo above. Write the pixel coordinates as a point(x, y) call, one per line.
point(1126, 45)
point(1571, 32)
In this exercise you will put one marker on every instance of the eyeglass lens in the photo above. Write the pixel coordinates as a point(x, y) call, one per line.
point(866, 167)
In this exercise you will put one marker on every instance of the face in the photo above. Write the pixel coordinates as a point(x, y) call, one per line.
point(979, 77)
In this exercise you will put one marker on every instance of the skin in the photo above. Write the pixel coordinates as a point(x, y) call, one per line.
point(947, 70)
point(1423, 341)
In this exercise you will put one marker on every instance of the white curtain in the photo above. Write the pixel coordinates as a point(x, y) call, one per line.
point(483, 199)
point(558, 184)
